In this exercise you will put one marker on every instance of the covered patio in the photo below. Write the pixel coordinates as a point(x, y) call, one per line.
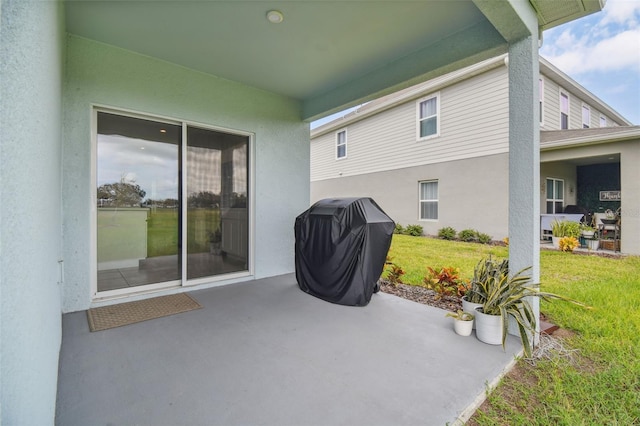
point(261, 71)
point(266, 353)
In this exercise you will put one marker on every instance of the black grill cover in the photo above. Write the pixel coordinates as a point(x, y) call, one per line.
point(341, 247)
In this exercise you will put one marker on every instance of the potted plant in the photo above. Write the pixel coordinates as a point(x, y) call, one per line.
point(588, 232)
point(506, 297)
point(475, 295)
point(563, 228)
point(463, 322)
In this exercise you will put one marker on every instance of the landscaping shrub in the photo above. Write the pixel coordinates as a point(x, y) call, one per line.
point(413, 230)
point(484, 238)
point(447, 233)
point(445, 281)
point(468, 235)
point(394, 272)
point(399, 229)
point(568, 244)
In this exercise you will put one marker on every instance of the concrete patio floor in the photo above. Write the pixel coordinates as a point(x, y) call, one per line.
point(265, 353)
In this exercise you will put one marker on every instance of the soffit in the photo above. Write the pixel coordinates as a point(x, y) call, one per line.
point(328, 54)
point(321, 45)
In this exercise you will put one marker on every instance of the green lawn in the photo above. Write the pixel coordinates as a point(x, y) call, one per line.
point(602, 387)
point(162, 231)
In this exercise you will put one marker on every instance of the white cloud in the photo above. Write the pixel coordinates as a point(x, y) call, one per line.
point(577, 56)
point(621, 12)
point(603, 42)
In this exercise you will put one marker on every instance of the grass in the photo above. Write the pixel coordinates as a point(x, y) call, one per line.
point(602, 385)
point(162, 231)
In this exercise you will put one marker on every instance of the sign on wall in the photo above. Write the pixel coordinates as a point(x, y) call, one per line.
point(610, 196)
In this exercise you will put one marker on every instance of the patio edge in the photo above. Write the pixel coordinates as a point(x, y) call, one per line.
point(468, 412)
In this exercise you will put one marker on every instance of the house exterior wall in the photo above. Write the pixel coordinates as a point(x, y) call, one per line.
point(469, 191)
point(105, 75)
point(551, 108)
point(473, 122)
point(383, 152)
point(31, 66)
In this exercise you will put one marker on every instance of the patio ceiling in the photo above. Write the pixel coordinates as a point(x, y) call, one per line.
point(327, 54)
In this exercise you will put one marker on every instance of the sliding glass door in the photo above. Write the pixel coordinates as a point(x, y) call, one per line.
point(217, 220)
point(171, 203)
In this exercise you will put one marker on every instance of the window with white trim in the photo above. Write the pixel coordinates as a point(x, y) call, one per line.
point(541, 100)
point(564, 111)
point(586, 116)
point(555, 195)
point(341, 144)
point(428, 110)
point(429, 200)
point(603, 121)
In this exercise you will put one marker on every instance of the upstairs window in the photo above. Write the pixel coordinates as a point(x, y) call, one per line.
point(586, 116)
point(341, 144)
point(603, 121)
point(564, 111)
point(428, 122)
point(429, 200)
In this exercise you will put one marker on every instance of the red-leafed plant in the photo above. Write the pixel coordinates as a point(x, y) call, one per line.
point(445, 281)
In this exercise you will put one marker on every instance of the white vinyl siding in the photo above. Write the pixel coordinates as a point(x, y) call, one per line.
point(429, 200)
point(474, 121)
point(551, 120)
point(341, 145)
point(428, 117)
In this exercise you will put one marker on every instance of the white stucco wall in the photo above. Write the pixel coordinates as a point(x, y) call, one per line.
point(31, 64)
point(102, 74)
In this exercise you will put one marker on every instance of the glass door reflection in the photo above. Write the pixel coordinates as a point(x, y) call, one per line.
point(138, 201)
point(217, 210)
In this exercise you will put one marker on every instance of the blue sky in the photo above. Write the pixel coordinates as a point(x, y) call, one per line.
point(600, 51)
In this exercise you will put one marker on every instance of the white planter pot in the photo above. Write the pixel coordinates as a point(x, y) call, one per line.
point(556, 242)
point(463, 328)
point(593, 244)
point(588, 234)
point(489, 328)
point(471, 308)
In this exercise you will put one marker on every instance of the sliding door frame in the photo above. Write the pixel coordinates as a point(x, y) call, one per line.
point(169, 286)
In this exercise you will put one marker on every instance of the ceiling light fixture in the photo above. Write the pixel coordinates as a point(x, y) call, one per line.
point(275, 16)
point(163, 131)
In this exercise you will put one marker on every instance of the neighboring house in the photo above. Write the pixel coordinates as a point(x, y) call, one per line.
point(437, 154)
point(195, 115)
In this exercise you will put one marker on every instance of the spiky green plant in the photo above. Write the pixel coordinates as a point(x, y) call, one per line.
point(507, 296)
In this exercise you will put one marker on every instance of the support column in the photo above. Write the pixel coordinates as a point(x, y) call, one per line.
point(630, 187)
point(524, 160)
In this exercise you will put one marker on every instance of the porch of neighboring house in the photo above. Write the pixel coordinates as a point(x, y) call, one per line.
point(267, 353)
point(585, 173)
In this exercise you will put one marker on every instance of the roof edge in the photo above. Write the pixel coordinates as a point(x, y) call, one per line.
point(560, 75)
point(624, 134)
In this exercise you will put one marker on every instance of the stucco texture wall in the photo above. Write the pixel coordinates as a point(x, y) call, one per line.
point(473, 193)
point(31, 65)
point(105, 75)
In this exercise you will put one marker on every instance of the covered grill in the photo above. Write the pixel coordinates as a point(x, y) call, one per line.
point(341, 248)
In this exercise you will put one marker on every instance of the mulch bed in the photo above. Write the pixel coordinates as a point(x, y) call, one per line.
point(421, 295)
